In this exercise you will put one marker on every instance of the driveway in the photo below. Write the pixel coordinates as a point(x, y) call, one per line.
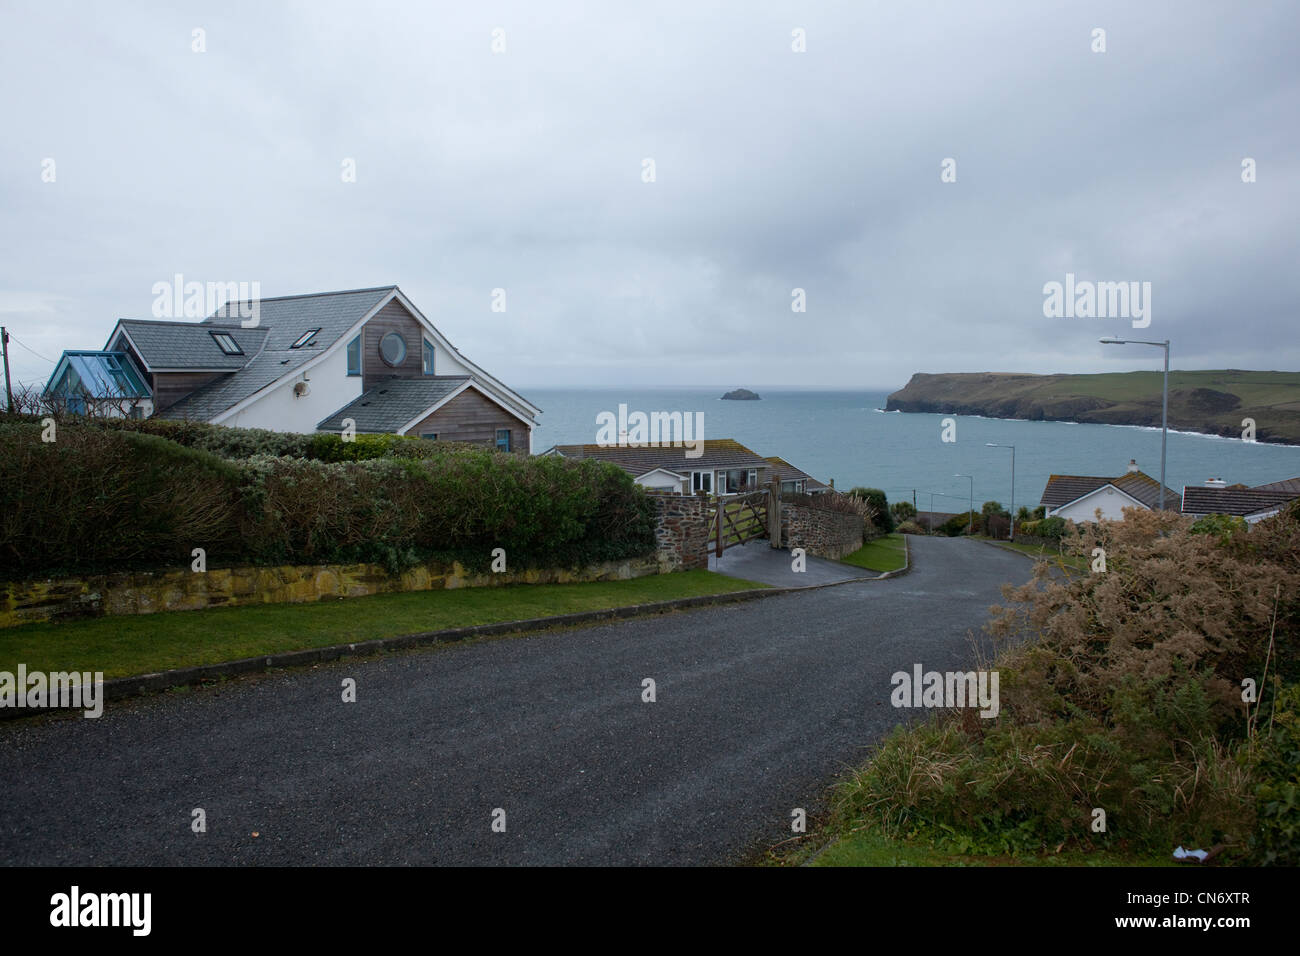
point(759, 705)
point(759, 561)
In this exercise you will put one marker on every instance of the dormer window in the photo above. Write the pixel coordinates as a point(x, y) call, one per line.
point(305, 339)
point(226, 343)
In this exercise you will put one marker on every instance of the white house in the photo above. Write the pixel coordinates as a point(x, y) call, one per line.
point(1079, 497)
point(364, 358)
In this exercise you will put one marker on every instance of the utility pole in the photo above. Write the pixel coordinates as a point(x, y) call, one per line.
point(9, 391)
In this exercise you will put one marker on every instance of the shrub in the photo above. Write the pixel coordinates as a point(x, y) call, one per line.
point(110, 500)
point(902, 510)
point(957, 524)
point(910, 527)
point(993, 508)
point(1222, 526)
point(1120, 690)
point(882, 517)
point(997, 525)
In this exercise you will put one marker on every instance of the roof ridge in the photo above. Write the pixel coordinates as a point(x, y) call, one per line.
point(312, 295)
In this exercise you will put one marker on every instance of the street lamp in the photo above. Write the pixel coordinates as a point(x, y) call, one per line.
point(970, 515)
point(1164, 404)
point(992, 444)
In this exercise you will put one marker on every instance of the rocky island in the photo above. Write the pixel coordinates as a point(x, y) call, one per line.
point(1214, 402)
point(741, 395)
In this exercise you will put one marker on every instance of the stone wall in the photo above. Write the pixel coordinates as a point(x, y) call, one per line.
point(147, 592)
point(682, 535)
point(682, 531)
point(826, 534)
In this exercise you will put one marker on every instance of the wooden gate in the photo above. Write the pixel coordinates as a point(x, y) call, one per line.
point(737, 519)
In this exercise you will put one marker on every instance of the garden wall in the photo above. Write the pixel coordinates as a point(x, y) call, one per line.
point(147, 592)
point(682, 531)
point(826, 534)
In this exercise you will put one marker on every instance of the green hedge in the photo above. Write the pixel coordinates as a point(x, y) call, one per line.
point(102, 499)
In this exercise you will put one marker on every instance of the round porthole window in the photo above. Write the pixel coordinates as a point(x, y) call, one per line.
point(392, 349)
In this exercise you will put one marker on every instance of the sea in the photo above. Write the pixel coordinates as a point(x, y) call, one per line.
point(846, 436)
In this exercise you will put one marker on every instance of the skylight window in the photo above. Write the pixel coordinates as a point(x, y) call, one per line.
point(305, 339)
point(226, 343)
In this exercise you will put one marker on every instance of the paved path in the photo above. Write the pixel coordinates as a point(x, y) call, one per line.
point(758, 561)
point(759, 705)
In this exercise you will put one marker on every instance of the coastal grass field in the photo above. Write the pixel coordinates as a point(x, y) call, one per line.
point(1213, 401)
point(143, 644)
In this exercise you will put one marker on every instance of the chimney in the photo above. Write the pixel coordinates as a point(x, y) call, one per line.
point(1132, 465)
point(1215, 483)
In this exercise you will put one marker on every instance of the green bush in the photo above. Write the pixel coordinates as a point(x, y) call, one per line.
point(902, 510)
point(957, 524)
point(105, 499)
point(1276, 765)
point(1221, 526)
point(883, 518)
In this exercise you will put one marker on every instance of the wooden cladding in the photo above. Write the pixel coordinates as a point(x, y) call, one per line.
point(170, 387)
point(471, 417)
point(391, 318)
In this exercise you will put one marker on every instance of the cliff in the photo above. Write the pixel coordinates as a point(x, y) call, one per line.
point(1213, 402)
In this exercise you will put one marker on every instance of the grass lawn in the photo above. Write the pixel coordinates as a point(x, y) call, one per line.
point(142, 644)
point(882, 554)
point(871, 848)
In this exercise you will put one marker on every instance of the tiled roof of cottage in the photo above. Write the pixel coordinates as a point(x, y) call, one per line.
point(190, 345)
point(717, 453)
point(281, 321)
point(1199, 500)
point(394, 403)
point(785, 471)
point(1063, 489)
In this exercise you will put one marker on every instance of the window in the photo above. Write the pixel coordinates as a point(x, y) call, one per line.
point(432, 436)
point(428, 357)
point(354, 356)
point(702, 481)
point(392, 349)
point(503, 439)
point(305, 339)
point(137, 413)
point(737, 480)
point(226, 343)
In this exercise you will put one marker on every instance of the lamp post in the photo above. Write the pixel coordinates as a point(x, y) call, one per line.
point(970, 515)
point(932, 512)
point(991, 444)
point(1164, 404)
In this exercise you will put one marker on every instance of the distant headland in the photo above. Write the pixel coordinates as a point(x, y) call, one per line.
point(741, 395)
point(1213, 402)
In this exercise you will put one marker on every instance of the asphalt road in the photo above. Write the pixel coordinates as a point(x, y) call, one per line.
point(759, 706)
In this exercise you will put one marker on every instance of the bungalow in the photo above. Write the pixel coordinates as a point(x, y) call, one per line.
point(723, 467)
point(311, 363)
point(1078, 497)
point(1254, 504)
point(794, 480)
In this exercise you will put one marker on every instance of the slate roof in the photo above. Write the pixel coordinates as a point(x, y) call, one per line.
point(718, 453)
point(1291, 485)
point(281, 321)
point(190, 345)
point(1198, 500)
point(785, 471)
point(1063, 489)
point(392, 404)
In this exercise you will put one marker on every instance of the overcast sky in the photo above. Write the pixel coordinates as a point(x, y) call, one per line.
point(774, 170)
